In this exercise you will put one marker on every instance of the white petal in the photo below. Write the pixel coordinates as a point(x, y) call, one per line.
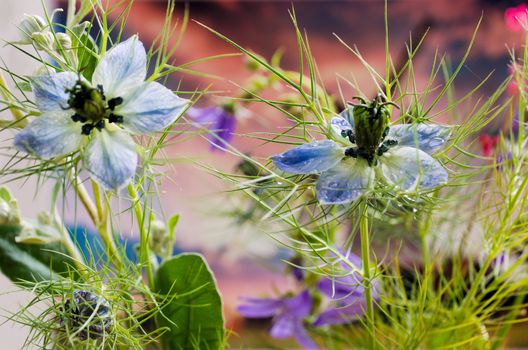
point(345, 182)
point(149, 108)
point(50, 90)
point(427, 137)
point(111, 158)
point(50, 135)
point(123, 68)
point(411, 169)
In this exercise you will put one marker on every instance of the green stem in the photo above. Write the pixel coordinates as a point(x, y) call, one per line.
point(21, 121)
point(98, 215)
point(365, 252)
point(74, 253)
point(144, 257)
point(424, 226)
point(102, 226)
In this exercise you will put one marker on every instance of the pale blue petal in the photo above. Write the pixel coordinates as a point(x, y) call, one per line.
point(412, 169)
point(123, 68)
point(339, 127)
point(50, 135)
point(342, 123)
point(149, 108)
point(427, 137)
point(111, 158)
point(345, 182)
point(310, 158)
point(348, 115)
point(50, 90)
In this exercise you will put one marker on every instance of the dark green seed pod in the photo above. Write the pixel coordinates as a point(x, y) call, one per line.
point(371, 120)
point(87, 314)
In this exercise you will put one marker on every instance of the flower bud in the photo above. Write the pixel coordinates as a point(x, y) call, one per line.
point(44, 230)
point(158, 238)
point(87, 315)
point(9, 214)
point(258, 83)
point(43, 40)
point(254, 65)
point(28, 26)
point(63, 41)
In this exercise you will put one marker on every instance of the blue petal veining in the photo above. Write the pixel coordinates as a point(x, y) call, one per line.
point(310, 158)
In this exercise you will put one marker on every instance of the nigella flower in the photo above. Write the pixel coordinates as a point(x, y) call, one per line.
point(368, 148)
point(221, 121)
point(87, 315)
point(98, 118)
point(288, 315)
point(347, 294)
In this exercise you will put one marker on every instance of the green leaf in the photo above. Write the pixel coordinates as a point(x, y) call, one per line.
point(28, 262)
point(86, 49)
point(191, 307)
point(172, 223)
point(5, 194)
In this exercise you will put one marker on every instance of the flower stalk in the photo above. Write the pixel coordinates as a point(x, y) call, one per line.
point(17, 114)
point(365, 256)
point(98, 214)
point(144, 257)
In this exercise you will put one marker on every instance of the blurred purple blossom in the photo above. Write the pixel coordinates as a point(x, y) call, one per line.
point(288, 314)
point(221, 121)
point(346, 292)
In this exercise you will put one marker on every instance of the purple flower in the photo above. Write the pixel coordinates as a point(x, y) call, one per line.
point(288, 314)
point(347, 293)
point(219, 120)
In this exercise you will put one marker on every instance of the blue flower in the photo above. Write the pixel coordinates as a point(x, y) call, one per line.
point(400, 155)
point(288, 315)
point(219, 120)
point(98, 117)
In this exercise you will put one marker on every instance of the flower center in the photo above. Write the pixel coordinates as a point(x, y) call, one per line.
point(371, 127)
point(91, 107)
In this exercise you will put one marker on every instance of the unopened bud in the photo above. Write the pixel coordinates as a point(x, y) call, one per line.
point(9, 214)
point(28, 26)
point(253, 64)
point(43, 40)
point(159, 239)
point(44, 230)
point(63, 41)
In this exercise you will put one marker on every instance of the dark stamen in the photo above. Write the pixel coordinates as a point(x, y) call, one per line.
point(101, 90)
point(349, 134)
point(100, 125)
point(113, 102)
point(385, 146)
point(87, 129)
point(351, 152)
point(113, 118)
point(385, 133)
point(78, 118)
